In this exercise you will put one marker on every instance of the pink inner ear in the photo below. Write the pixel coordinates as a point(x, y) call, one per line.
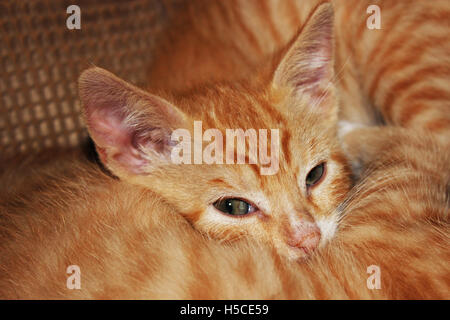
point(111, 132)
point(126, 123)
point(311, 79)
point(308, 65)
point(314, 65)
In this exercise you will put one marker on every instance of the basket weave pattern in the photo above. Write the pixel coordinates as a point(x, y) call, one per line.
point(41, 59)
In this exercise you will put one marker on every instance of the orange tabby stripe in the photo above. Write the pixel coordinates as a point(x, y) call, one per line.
point(267, 18)
point(423, 74)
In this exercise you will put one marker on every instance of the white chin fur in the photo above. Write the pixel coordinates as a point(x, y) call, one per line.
point(328, 227)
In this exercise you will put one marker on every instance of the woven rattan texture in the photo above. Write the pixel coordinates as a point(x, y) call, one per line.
point(41, 59)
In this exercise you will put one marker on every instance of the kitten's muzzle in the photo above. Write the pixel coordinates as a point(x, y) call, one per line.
point(305, 237)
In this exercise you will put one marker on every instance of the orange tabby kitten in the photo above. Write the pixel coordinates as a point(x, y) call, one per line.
point(129, 244)
point(400, 71)
point(96, 221)
point(291, 208)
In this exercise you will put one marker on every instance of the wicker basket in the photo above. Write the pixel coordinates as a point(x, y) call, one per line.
point(41, 60)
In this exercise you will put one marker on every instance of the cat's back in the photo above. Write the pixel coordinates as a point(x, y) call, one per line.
point(216, 41)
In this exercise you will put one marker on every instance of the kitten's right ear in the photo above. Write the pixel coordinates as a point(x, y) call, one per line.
point(308, 65)
point(131, 128)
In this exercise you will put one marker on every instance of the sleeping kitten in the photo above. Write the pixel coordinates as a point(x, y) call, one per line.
point(132, 242)
point(294, 94)
point(129, 244)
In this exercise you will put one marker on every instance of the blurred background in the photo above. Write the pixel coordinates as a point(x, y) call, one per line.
point(41, 60)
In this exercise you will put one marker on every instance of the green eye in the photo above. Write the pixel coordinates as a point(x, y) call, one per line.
point(315, 175)
point(234, 207)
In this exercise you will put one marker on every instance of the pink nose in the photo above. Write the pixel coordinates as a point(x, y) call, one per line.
point(305, 236)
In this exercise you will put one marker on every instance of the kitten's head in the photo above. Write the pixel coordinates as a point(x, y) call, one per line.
point(291, 205)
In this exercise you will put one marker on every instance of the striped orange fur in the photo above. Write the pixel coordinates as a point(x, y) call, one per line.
point(132, 130)
point(400, 72)
point(242, 64)
point(129, 245)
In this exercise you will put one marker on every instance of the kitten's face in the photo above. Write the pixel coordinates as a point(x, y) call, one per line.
point(293, 208)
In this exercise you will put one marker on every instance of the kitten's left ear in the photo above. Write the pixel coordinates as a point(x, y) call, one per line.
point(307, 67)
point(131, 128)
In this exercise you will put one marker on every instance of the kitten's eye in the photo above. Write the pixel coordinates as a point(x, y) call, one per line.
point(234, 207)
point(315, 175)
